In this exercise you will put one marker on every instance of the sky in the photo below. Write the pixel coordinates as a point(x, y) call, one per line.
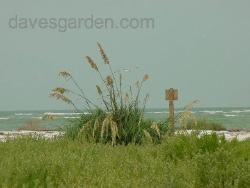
point(199, 47)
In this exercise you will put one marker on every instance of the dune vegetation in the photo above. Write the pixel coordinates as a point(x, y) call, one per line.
point(119, 118)
point(179, 161)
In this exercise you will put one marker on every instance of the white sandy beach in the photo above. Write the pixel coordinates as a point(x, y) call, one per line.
point(229, 135)
point(4, 135)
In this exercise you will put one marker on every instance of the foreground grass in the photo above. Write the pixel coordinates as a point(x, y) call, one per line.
point(181, 161)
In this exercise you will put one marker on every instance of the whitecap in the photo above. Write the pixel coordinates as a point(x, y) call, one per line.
point(37, 117)
point(4, 118)
point(230, 115)
point(241, 111)
point(71, 117)
point(237, 111)
point(23, 114)
point(211, 111)
point(246, 111)
point(62, 113)
point(85, 113)
point(160, 112)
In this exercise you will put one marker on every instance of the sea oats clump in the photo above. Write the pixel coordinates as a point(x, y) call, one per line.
point(119, 117)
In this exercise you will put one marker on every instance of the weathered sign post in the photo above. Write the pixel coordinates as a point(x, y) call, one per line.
point(171, 95)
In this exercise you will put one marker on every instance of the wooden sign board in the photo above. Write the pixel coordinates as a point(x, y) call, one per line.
point(171, 94)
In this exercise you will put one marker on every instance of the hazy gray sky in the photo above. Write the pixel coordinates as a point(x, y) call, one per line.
point(200, 47)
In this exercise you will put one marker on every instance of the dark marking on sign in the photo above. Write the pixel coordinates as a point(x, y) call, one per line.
point(171, 94)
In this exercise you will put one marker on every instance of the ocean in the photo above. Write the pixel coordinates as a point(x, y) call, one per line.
point(231, 118)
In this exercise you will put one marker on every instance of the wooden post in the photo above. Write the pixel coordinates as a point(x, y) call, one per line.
point(171, 116)
point(171, 95)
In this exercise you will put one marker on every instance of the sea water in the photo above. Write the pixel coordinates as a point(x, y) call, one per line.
point(231, 118)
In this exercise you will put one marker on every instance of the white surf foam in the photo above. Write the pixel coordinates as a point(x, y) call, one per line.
point(23, 114)
point(240, 111)
point(62, 113)
point(4, 118)
point(71, 117)
point(237, 111)
point(230, 115)
point(160, 112)
point(37, 117)
point(211, 111)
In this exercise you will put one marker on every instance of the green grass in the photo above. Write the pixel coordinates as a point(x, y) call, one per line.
point(179, 161)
